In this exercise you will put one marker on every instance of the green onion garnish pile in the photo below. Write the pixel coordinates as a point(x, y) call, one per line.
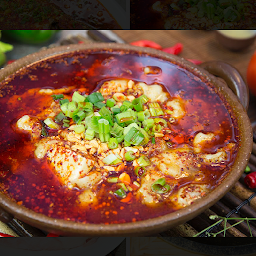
point(130, 124)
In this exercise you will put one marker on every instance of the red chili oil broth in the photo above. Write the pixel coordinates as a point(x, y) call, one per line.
point(32, 183)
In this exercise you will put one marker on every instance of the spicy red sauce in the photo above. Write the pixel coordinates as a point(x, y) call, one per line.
point(31, 182)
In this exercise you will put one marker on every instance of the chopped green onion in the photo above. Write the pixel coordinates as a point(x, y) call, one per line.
point(160, 186)
point(120, 138)
point(94, 97)
point(141, 116)
point(117, 161)
point(126, 105)
point(157, 128)
point(104, 130)
point(134, 136)
point(155, 109)
point(77, 97)
point(160, 121)
point(116, 130)
point(59, 117)
point(57, 97)
point(127, 128)
point(64, 107)
point(146, 136)
point(99, 105)
point(115, 110)
point(120, 193)
point(79, 128)
point(140, 171)
point(136, 183)
point(79, 116)
point(86, 106)
point(127, 116)
point(112, 179)
point(44, 132)
point(129, 156)
point(113, 143)
point(66, 123)
point(72, 106)
point(89, 134)
point(69, 109)
point(137, 104)
point(63, 101)
point(148, 124)
point(109, 159)
point(119, 96)
point(153, 140)
point(247, 169)
point(106, 114)
point(93, 123)
point(143, 161)
point(110, 103)
point(123, 186)
point(50, 123)
point(143, 98)
point(127, 144)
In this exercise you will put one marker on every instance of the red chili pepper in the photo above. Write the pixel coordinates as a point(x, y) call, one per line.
point(250, 180)
point(52, 235)
point(176, 49)
point(5, 235)
point(147, 43)
point(197, 62)
point(10, 61)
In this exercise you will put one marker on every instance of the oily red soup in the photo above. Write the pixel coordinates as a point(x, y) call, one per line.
point(183, 152)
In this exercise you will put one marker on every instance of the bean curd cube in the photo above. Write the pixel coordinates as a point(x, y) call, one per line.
point(178, 110)
point(214, 158)
point(130, 84)
point(201, 139)
point(188, 194)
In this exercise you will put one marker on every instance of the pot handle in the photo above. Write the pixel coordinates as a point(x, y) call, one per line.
point(5, 216)
point(232, 77)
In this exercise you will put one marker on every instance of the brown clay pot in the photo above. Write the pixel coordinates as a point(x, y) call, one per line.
point(155, 225)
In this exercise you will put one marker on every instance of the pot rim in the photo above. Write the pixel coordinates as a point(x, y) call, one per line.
point(153, 225)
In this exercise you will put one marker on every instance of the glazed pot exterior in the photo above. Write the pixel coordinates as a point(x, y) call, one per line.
point(150, 226)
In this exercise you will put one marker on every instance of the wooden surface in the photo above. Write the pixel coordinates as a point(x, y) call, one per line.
point(198, 44)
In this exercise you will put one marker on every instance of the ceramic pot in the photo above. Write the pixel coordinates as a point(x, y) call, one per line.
point(150, 226)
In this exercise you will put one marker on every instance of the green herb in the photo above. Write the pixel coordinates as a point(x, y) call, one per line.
point(104, 130)
point(140, 171)
point(225, 219)
point(120, 193)
point(77, 97)
point(111, 159)
point(113, 143)
point(247, 169)
point(160, 186)
point(143, 161)
point(110, 103)
point(89, 134)
point(112, 179)
point(63, 101)
point(59, 117)
point(57, 97)
point(79, 128)
point(129, 156)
